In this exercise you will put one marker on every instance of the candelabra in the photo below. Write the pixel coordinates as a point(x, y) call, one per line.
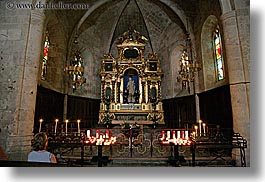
point(76, 69)
point(187, 66)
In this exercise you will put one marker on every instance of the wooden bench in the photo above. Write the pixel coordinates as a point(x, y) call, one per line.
point(8, 163)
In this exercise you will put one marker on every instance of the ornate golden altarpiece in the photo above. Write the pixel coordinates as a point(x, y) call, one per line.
point(118, 102)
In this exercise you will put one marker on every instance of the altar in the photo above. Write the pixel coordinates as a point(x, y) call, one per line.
point(131, 84)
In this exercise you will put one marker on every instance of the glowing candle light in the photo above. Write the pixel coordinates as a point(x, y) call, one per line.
point(204, 131)
point(107, 133)
point(186, 134)
point(196, 130)
point(66, 121)
point(200, 126)
point(88, 133)
point(41, 120)
point(168, 134)
point(56, 121)
point(97, 134)
point(178, 134)
point(182, 134)
point(163, 135)
point(78, 126)
point(174, 134)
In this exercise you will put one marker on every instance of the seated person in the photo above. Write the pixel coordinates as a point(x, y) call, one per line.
point(39, 154)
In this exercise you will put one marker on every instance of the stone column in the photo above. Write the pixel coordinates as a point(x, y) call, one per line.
point(237, 60)
point(21, 131)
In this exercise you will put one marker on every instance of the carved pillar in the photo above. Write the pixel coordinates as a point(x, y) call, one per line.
point(159, 90)
point(102, 90)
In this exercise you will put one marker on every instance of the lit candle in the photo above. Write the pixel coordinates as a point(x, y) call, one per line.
point(174, 134)
point(178, 134)
point(196, 128)
point(200, 126)
point(97, 134)
point(168, 134)
point(182, 134)
point(41, 120)
point(88, 133)
point(78, 126)
point(186, 134)
point(56, 121)
point(107, 133)
point(203, 125)
point(163, 135)
point(66, 121)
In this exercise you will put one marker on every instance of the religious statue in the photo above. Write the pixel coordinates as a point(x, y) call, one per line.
point(131, 90)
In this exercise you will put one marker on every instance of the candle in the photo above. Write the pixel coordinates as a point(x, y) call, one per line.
point(174, 134)
point(66, 121)
point(200, 126)
point(88, 133)
point(178, 134)
point(56, 121)
point(203, 125)
point(41, 120)
point(182, 134)
point(163, 135)
point(107, 133)
point(186, 134)
point(78, 126)
point(168, 134)
point(97, 134)
point(196, 128)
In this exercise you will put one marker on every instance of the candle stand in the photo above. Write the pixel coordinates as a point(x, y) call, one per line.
point(179, 147)
point(218, 145)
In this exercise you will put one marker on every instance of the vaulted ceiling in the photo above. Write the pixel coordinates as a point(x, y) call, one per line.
point(113, 17)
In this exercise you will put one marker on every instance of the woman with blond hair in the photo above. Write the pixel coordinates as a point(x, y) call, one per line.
point(39, 154)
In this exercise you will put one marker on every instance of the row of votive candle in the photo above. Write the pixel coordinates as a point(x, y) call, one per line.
point(100, 139)
point(88, 134)
point(180, 134)
point(56, 124)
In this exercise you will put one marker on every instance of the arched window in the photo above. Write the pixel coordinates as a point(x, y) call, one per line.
point(218, 55)
point(45, 57)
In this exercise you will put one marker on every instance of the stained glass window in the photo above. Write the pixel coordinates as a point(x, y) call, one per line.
point(218, 55)
point(45, 57)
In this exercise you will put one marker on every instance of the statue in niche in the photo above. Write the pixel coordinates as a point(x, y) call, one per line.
point(131, 89)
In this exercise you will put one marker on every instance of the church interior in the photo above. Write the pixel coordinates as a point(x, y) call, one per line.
point(117, 83)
